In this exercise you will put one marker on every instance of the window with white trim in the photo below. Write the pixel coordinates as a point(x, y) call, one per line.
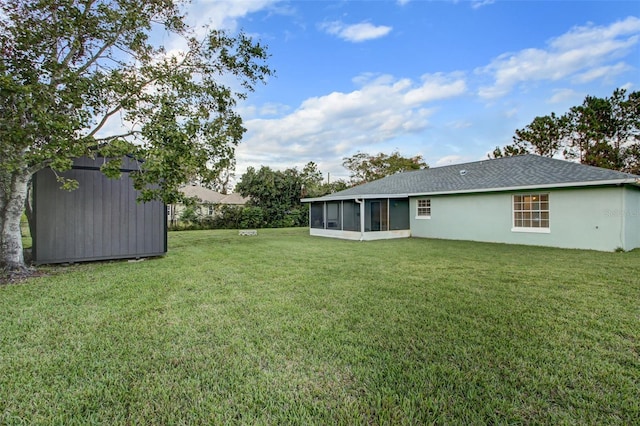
point(531, 212)
point(423, 208)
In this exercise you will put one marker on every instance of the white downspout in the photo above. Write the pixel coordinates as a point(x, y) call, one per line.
point(623, 221)
point(361, 202)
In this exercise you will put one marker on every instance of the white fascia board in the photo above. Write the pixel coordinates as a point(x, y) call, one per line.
point(354, 197)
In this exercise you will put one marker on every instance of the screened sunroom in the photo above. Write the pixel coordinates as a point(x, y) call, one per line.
point(360, 219)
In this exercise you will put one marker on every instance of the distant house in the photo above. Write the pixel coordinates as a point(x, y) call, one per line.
point(525, 199)
point(208, 202)
point(100, 220)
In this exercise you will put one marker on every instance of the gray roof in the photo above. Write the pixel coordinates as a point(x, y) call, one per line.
point(501, 174)
point(206, 195)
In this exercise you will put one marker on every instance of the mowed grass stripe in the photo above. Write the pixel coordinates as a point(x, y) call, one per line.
point(284, 328)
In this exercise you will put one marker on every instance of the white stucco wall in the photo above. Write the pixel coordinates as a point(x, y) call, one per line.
point(631, 217)
point(579, 218)
point(353, 235)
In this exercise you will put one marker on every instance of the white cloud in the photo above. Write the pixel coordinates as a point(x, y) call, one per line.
point(436, 86)
point(562, 95)
point(452, 159)
point(224, 14)
point(273, 109)
point(606, 72)
point(326, 128)
point(204, 15)
point(460, 124)
point(584, 53)
point(510, 113)
point(627, 86)
point(477, 4)
point(356, 32)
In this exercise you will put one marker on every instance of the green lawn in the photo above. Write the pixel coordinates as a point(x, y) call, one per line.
point(284, 328)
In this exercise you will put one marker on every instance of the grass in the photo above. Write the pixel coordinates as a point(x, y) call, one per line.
point(284, 328)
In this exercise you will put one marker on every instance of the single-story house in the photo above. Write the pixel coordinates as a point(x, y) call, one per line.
point(100, 220)
point(207, 200)
point(524, 199)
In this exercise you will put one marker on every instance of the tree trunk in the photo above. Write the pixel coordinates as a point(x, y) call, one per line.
point(28, 209)
point(13, 193)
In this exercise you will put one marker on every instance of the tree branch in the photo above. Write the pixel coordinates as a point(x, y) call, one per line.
point(104, 120)
point(123, 135)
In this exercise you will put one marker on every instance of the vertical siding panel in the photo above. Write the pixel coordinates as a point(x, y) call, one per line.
point(69, 211)
point(98, 214)
point(57, 206)
point(89, 226)
point(107, 216)
point(157, 220)
point(139, 224)
point(154, 231)
point(122, 242)
point(132, 212)
point(124, 214)
point(146, 227)
point(143, 225)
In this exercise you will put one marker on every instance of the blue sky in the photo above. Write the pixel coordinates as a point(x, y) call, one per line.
point(449, 80)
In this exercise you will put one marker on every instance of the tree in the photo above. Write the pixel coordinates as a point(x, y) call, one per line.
point(508, 151)
point(544, 136)
point(331, 187)
point(278, 193)
point(70, 68)
point(606, 132)
point(367, 168)
point(603, 132)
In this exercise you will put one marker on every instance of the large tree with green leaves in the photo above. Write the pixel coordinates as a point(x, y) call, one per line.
point(70, 69)
point(366, 168)
point(603, 132)
point(544, 136)
point(278, 193)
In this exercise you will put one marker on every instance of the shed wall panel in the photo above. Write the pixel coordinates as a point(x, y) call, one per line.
point(100, 220)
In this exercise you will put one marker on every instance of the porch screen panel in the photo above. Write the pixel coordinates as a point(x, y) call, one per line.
point(333, 215)
point(384, 215)
point(376, 218)
point(351, 212)
point(398, 214)
point(317, 215)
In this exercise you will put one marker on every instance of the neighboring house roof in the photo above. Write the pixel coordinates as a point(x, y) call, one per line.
point(206, 195)
point(501, 174)
point(234, 198)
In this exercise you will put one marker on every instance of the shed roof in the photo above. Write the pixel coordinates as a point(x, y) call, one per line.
point(501, 174)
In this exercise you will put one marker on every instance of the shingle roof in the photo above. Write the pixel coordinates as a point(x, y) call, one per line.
point(207, 195)
point(523, 171)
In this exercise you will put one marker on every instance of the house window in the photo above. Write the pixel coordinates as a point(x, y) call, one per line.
point(531, 213)
point(211, 211)
point(423, 209)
